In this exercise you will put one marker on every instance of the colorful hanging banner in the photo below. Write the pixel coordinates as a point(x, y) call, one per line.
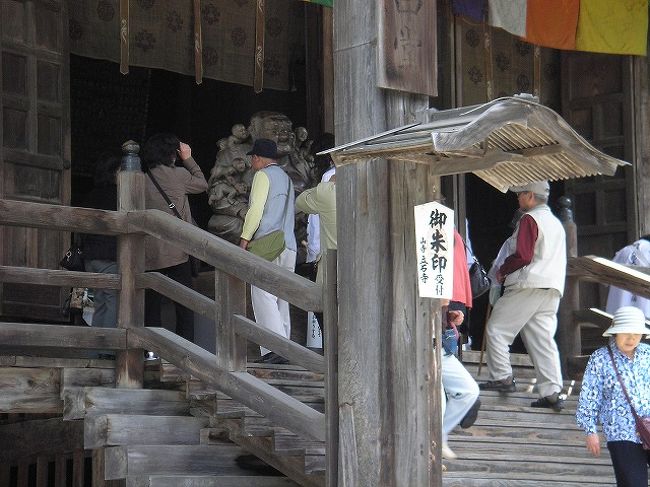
point(509, 15)
point(619, 27)
point(552, 23)
point(475, 10)
point(613, 27)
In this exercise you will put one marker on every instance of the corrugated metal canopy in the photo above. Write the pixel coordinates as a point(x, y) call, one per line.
point(506, 142)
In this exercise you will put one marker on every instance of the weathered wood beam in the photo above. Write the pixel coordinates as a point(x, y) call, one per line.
point(330, 348)
point(133, 460)
point(63, 218)
point(51, 277)
point(120, 429)
point(230, 349)
point(228, 258)
point(282, 346)
point(30, 390)
point(26, 335)
point(82, 401)
point(281, 408)
point(603, 271)
point(30, 439)
point(461, 165)
point(178, 293)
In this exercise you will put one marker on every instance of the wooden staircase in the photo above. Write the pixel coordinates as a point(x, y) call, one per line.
point(512, 444)
point(171, 438)
point(165, 438)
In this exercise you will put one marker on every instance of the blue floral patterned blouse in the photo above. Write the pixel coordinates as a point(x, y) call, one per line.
point(602, 398)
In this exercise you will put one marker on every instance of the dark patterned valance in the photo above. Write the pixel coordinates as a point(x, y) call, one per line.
point(161, 35)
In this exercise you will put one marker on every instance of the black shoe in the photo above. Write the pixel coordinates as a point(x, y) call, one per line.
point(472, 414)
point(272, 358)
point(504, 385)
point(554, 402)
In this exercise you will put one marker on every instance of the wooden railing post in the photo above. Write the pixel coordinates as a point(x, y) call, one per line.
point(230, 299)
point(130, 192)
point(330, 334)
point(568, 332)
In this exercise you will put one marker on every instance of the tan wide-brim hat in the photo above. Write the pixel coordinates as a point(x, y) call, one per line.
point(628, 319)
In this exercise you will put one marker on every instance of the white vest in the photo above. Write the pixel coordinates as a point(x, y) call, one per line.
point(548, 267)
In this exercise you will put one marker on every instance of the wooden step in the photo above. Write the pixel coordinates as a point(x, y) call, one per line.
point(117, 429)
point(293, 466)
point(208, 481)
point(510, 434)
point(82, 401)
point(143, 460)
point(530, 452)
point(449, 479)
point(544, 469)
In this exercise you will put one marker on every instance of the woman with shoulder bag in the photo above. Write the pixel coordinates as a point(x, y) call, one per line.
point(167, 187)
point(615, 391)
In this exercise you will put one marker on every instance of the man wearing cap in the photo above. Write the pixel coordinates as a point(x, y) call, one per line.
point(533, 280)
point(271, 208)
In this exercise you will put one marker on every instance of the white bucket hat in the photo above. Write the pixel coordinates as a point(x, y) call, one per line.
point(628, 319)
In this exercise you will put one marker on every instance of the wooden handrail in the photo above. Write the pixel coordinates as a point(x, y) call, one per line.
point(604, 271)
point(282, 346)
point(63, 218)
point(178, 293)
point(228, 258)
point(282, 409)
point(61, 336)
point(211, 249)
point(52, 277)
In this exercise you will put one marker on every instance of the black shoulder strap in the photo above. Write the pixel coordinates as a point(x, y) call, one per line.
point(169, 202)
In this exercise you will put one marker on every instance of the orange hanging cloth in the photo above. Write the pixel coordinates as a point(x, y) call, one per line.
point(552, 23)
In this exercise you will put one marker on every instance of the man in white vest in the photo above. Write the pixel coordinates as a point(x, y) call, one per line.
point(533, 279)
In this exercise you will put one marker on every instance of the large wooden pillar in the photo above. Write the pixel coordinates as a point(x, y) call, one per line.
point(129, 368)
point(388, 379)
point(641, 104)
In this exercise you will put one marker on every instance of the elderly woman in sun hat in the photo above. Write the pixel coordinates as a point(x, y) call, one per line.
point(602, 398)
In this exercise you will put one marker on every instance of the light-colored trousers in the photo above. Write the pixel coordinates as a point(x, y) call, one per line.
point(270, 311)
point(533, 313)
point(461, 393)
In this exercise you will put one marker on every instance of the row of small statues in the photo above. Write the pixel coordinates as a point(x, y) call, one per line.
point(231, 176)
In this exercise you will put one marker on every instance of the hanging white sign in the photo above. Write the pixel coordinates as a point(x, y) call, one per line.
point(434, 237)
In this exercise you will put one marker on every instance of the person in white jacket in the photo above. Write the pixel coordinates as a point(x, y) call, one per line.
point(637, 253)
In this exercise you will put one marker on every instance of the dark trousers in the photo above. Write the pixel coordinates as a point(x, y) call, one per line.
point(181, 273)
point(630, 463)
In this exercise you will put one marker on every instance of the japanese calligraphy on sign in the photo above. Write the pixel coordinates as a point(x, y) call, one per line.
point(434, 237)
point(406, 47)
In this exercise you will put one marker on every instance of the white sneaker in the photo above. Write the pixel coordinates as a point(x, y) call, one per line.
point(447, 452)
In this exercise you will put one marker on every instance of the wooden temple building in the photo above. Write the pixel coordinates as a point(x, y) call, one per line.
point(79, 405)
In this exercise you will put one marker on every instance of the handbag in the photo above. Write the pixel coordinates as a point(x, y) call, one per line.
point(271, 245)
point(642, 423)
point(268, 247)
point(195, 264)
point(73, 260)
point(478, 279)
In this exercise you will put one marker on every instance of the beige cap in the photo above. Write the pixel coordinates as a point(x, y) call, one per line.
point(538, 187)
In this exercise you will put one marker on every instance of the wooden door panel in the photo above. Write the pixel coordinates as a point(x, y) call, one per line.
point(35, 143)
point(596, 102)
point(14, 21)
